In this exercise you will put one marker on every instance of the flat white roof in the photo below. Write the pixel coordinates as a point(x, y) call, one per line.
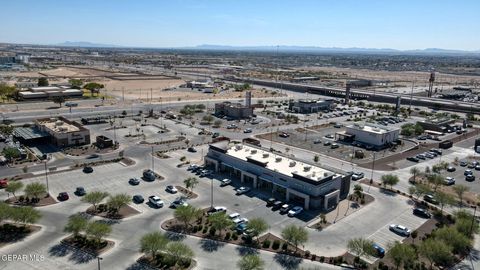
point(281, 164)
point(372, 128)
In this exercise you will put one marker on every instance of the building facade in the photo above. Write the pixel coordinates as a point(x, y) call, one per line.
point(376, 136)
point(64, 132)
point(233, 110)
point(310, 106)
point(437, 124)
point(296, 182)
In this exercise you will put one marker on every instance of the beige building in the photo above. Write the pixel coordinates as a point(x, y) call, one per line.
point(64, 132)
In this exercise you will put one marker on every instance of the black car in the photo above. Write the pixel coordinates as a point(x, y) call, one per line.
point(192, 150)
point(80, 191)
point(421, 213)
point(138, 199)
point(470, 177)
point(87, 169)
point(133, 181)
point(429, 198)
point(451, 169)
point(276, 205)
point(270, 201)
point(413, 159)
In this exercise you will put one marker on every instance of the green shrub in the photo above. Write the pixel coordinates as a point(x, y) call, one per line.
point(266, 244)
point(212, 231)
point(322, 258)
point(276, 245)
point(227, 236)
point(235, 236)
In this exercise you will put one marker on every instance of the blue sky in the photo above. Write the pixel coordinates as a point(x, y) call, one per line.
point(400, 24)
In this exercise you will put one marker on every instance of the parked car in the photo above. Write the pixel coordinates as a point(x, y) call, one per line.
point(420, 156)
point(317, 141)
point(3, 183)
point(326, 143)
point(149, 175)
point(155, 201)
point(270, 201)
point(192, 150)
point(205, 173)
point(138, 199)
point(80, 191)
point(134, 181)
point(276, 205)
point(470, 177)
point(463, 163)
point(358, 176)
point(468, 172)
point(225, 182)
point(413, 159)
point(329, 136)
point(247, 130)
point(217, 209)
point(334, 146)
point(171, 189)
point(63, 196)
point(242, 190)
point(380, 252)
point(284, 135)
point(451, 169)
point(285, 208)
point(233, 216)
point(430, 198)
point(449, 181)
point(215, 135)
point(192, 167)
point(240, 220)
point(241, 228)
point(477, 168)
point(231, 126)
point(421, 213)
point(178, 202)
point(87, 169)
point(295, 211)
point(399, 229)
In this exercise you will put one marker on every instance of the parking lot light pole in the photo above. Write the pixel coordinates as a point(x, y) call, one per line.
point(98, 260)
point(46, 177)
point(211, 193)
point(153, 162)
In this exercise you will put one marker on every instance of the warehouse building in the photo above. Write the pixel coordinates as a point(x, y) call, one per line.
point(44, 92)
point(437, 124)
point(296, 182)
point(310, 105)
point(370, 135)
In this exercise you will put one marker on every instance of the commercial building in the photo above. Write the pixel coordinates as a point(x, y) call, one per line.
point(310, 105)
point(233, 110)
point(63, 132)
point(370, 135)
point(296, 182)
point(437, 124)
point(49, 92)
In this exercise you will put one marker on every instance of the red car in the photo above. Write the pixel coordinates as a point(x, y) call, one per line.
point(63, 196)
point(3, 183)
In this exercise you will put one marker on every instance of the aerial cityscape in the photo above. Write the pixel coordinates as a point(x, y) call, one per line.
point(239, 135)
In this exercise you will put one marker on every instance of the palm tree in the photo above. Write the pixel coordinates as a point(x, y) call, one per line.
point(358, 191)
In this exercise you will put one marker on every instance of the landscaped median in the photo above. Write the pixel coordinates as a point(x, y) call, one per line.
point(16, 223)
point(35, 194)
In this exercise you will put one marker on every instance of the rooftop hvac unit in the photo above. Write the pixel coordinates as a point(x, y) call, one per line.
point(238, 147)
point(58, 123)
point(61, 129)
point(307, 168)
point(265, 155)
point(325, 174)
point(254, 151)
point(292, 163)
point(278, 159)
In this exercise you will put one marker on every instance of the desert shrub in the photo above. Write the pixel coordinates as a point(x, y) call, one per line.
point(227, 236)
point(266, 244)
point(285, 246)
point(212, 231)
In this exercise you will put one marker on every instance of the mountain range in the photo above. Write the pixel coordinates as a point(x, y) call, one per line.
point(281, 48)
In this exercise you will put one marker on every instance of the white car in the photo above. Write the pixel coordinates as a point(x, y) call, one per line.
point(242, 190)
point(155, 201)
point(192, 167)
point(225, 182)
point(399, 229)
point(217, 209)
point(234, 216)
point(240, 220)
point(295, 211)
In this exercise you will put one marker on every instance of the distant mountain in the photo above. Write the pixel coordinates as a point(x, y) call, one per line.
point(85, 44)
point(330, 49)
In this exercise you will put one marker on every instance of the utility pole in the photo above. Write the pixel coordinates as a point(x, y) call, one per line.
point(411, 96)
point(46, 177)
point(373, 167)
